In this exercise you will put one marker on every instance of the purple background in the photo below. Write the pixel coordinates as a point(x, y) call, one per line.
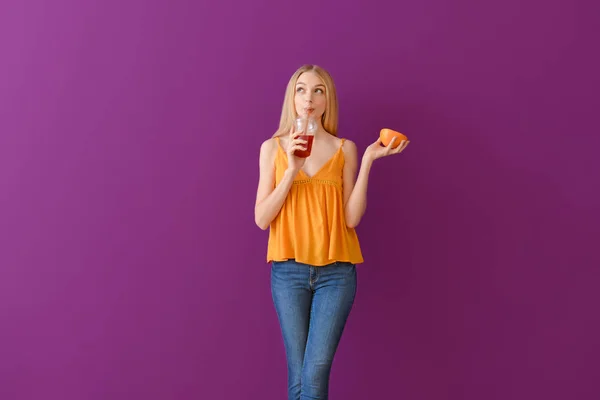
point(131, 267)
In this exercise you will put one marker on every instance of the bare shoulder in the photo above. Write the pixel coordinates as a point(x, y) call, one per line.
point(349, 148)
point(268, 148)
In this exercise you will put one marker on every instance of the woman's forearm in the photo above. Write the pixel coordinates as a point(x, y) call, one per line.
point(357, 202)
point(266, 211)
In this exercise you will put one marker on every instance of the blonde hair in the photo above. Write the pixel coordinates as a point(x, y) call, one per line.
point(329, 118)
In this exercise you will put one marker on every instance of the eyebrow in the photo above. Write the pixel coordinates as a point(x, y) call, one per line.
point(302, 83)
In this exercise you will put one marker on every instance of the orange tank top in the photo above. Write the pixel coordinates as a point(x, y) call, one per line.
point(311, 226)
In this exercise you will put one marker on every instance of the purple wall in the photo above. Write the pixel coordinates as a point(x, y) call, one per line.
point(131, 267)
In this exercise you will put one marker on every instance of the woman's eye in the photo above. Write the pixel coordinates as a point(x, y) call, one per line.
point(299, 90)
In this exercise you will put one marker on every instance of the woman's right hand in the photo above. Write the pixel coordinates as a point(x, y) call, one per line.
point(295, 143)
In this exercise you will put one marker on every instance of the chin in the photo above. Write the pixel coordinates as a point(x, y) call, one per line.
point(316, 115)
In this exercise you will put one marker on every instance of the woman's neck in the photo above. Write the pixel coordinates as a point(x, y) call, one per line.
point(320, 129)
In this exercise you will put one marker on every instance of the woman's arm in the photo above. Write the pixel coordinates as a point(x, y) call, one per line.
point(355, 192)
point(269, 199)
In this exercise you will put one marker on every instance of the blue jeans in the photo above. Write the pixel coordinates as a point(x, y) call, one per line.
point(312, 305)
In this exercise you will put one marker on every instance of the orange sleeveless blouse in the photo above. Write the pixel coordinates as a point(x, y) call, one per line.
point(311, 226)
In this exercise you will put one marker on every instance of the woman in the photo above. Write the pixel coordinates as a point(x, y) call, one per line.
point(312, 207)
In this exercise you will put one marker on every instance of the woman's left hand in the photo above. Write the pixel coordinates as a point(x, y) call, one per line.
point(376, 150)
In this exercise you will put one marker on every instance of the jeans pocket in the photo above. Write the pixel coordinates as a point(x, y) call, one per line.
point(345, 266)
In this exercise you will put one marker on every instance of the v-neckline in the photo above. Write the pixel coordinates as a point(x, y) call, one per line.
point(302, 170)
point(321, 168)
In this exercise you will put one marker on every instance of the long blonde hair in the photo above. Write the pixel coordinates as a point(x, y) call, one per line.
point(329, 119)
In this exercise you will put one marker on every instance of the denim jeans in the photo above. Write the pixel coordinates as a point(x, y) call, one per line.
point(312, 305)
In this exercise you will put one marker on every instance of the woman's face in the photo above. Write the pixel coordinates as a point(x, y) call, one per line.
point(310, 95)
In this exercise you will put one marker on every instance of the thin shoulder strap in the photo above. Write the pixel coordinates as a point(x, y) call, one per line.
point(279, 148)
point(278, 144)
point(342, 142)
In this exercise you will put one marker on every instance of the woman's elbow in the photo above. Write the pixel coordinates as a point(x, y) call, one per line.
point(352, 222)
point(260, 223)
